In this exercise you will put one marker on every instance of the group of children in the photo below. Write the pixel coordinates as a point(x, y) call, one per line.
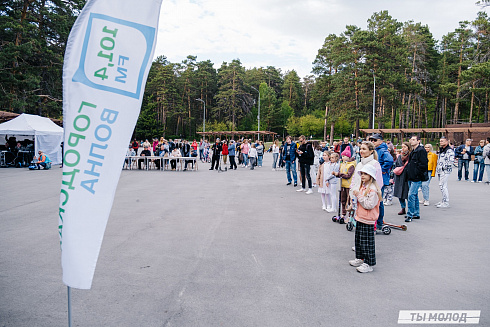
point(364, 197)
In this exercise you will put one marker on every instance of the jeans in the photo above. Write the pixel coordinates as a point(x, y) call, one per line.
point(413, 199)
point(381, 209)
point(245, 159)
point(274, 160)
point(425, 187)
point(481, 167)
point(259, 160)
point(305, 174)
point(252, 162)
point(466, 164)
point(291, 166)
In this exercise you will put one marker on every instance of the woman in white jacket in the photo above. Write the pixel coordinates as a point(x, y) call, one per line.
point(368, 157)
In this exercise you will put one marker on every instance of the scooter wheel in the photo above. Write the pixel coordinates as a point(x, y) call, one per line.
point(341, 221)
point(349, 226)
point(386, 230)
point(334, 219)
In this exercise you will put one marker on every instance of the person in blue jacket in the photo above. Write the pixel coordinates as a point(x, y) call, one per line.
point(231, 154)
point(289, 158)
point(464, 153)
point(385, 160)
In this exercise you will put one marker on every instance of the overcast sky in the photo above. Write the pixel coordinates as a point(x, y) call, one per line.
point(285, 33)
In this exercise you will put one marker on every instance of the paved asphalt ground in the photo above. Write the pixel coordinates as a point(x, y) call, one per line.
point(238, 248)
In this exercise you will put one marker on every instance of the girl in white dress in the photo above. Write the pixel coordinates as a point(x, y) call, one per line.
point(327, 182)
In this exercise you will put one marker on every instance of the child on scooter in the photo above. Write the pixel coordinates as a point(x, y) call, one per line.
point(368, 198)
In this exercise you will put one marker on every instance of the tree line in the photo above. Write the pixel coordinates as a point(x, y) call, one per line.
point(417, 80)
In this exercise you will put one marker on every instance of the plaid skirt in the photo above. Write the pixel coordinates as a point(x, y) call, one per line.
point(365, 247)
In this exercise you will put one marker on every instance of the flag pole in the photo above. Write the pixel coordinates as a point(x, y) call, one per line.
point(69, 306)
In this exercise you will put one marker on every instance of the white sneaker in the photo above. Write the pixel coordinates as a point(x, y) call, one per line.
point(324, 208)
point(353, 248)
point(426, 203)
point(480, 181)
point(438, 204)
point(364, 268)
point(421, 201)
point(388, 203)
point(472, 181)
point(443, 205)
point(356, 262)
point(273, 169)
point(300, 190)
point(310, 191)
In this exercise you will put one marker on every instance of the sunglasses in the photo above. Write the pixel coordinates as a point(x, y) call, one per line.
point(372, 140)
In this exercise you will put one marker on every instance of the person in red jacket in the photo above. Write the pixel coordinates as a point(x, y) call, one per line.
point(224, 153)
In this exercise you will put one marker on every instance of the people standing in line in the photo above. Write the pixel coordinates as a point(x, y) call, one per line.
point(445, 160)
point(275, 154)
point(385, 160)
point(252, 156)
point(431, 172)
point(400, 177)
point(416, 174)
point(260, 153)
point(289, 159)
point(479, 163)
point(368, 198)
point(217, 148)
point(305, 157)
point(486, 158)
point(346, 171)
point(245, 147)
point(464, 153)
point(231, 154)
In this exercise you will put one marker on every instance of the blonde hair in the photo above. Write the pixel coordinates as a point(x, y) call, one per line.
point(431, 149)
point(371, 181)
point(370, 146)
point(336, 155)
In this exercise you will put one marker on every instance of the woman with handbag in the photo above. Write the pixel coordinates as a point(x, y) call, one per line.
point(400, 177)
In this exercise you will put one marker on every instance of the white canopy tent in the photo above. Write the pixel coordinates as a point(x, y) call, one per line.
point(47, 135)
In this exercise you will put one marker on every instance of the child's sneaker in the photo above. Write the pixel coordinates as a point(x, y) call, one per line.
point(426, 203)
point(300, 190)
point(353, 248)
point(356, 262)
point(310, 191)
point(324, 208)
point(364, 268)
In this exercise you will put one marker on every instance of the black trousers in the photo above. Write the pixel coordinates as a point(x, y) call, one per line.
point(305, 174)
point(215, 162)
point(232, 162)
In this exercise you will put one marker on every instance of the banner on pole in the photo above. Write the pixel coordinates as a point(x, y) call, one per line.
point(107, 60)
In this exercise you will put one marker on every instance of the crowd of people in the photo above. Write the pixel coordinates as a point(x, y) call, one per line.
point(366, 174)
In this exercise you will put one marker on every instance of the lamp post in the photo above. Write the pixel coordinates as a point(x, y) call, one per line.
point(374, 97)
point(204, 116)
point(258, 116)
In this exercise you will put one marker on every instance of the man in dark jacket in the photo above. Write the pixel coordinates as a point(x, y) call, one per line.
point(464, 153)
point(385, 160)
point(289, 159)
point(306, 157)
point(144, 153)
point(416, 174)
point(217, 147)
